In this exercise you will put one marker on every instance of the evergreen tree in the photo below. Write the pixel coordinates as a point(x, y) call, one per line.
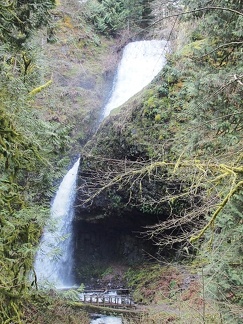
point(28, 147)
point(110, 17)
point(20, 18)
point(146, 13)
point(224, 270)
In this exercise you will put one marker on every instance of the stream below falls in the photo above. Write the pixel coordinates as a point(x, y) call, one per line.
point(104, 319)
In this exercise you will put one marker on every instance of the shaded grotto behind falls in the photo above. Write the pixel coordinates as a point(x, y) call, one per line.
point(105, 241)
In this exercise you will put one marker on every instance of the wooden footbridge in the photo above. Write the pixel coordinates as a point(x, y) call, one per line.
point(116, 299)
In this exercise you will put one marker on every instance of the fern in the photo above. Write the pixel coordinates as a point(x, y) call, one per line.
point(225, 277)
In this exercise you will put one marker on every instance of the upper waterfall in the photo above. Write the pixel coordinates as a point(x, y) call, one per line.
point(141, 62)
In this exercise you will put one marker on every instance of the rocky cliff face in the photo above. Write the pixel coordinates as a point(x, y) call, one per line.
point(113, 206)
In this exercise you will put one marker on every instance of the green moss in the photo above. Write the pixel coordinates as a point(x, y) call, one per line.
point(189, 49)
point(157, 118)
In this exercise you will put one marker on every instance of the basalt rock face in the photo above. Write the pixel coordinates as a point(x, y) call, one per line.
point(109, 229)
point(112, 213)
point(122, 182)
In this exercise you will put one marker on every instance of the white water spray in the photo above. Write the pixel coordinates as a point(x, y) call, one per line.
point(54, 259)
point(141, 62)
point(102, 319)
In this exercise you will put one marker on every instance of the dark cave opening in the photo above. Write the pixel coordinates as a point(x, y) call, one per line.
point(105, 241)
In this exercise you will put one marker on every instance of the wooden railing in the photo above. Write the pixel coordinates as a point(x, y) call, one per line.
point(108, 299)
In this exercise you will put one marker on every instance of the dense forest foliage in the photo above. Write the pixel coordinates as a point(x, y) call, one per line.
point(189, 126)
point(110, 17)
point(207, 99)
point(29, 146)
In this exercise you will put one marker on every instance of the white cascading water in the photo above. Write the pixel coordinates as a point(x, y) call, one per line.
point(103, 319)
point(141, 62)
point(54, 258)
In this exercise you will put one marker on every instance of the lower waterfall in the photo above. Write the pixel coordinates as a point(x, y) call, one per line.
point(141, 62)
point(54, 259)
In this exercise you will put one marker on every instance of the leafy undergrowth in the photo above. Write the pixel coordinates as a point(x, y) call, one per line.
point(162, 293)
point(50, 308)
point(171, 294)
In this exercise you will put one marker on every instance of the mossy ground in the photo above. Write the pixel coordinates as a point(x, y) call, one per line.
point(171, 294)
point(52, 309)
